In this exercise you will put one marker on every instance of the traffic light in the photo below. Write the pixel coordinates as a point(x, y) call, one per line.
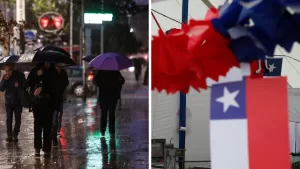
point(44, 22)
point(51, 22)
point(57, 21)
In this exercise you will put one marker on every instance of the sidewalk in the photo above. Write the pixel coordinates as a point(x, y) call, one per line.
point(80, 145)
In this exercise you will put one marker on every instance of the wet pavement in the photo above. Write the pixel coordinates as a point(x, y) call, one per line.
point(81, 145)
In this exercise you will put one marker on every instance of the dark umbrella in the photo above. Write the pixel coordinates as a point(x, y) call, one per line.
point(42, 56)
point(89, 58)
point(9, 59)
point(13, 59)
point(53, 48)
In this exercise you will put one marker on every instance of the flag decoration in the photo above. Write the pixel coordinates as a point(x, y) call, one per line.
point(239, 31)
point(267, 67)
point(273, 67)
point(257, 69)
point(245, 123)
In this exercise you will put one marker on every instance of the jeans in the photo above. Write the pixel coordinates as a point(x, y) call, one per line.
point(11, 110)
point(43, 114)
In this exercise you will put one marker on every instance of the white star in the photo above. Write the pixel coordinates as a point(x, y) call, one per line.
point(228, 99)
point(272, 67)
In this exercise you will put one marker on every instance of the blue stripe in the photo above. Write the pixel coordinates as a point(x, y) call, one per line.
point(182, 108)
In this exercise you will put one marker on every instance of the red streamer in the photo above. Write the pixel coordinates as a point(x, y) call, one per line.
point(186, 58)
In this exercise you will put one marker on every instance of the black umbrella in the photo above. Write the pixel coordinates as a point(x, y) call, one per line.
point(13, 59)
point(53, 48)
point(9, 59)
point(43, 56)
point(89, 58)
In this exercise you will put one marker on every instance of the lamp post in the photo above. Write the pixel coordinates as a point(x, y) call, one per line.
point(82, 52)
point(71, 28)
point(102, 30)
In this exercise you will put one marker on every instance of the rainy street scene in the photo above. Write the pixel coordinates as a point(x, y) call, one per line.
point(74, 84)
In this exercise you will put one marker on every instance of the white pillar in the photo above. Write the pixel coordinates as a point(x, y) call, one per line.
point(20, 10)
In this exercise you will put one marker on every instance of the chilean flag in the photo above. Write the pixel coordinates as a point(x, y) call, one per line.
point(249, 124)
point(260, 68)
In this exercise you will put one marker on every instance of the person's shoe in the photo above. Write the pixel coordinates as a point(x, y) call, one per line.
point(37, 152)
point(46, 154)
point(102, 133)
point(15, 139)
point(58, 134)
point(9, 139)
point(55, 143)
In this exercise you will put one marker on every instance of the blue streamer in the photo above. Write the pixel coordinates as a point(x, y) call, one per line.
point(274, 24)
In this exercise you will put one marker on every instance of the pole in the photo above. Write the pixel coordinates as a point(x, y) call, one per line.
point(71, 28)
point(182, 96)
point(82, 51)
point(102, 29)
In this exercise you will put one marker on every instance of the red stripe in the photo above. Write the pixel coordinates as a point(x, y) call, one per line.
point(267, 114)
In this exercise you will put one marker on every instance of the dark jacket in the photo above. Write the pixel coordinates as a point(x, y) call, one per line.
point(109, 84)
point(63, 81)
point(48, 82)
point(12, 92)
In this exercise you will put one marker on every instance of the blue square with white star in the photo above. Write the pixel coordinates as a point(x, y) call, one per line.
point(228, 101)
point(273, 67)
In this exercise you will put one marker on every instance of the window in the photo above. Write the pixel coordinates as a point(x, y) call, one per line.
point(74, 72)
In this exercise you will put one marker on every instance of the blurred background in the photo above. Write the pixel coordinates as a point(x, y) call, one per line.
point(81, 27)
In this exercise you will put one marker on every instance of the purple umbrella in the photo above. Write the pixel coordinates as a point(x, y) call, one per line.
point(110, 61)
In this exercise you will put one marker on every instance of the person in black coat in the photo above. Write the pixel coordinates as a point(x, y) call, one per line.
point(110, 85)
point(62, 83)
point(146, 76)
point(11, 83)
point(42, 81)
point(137, 62)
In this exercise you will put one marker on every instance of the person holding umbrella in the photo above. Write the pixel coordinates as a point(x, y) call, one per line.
point(42, 81)
point(109, 81)
point(11, 82)
point(110, 84)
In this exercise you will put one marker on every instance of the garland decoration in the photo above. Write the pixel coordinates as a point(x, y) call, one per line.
point(240, 31)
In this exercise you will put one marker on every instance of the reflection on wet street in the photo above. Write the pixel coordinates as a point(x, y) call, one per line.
point(81, 145)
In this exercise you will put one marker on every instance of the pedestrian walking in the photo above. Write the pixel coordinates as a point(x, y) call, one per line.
point(42, 81)
point(137, 62)
point(11, 83)
point(110, 85)
point(146, 76)
point(62, 83)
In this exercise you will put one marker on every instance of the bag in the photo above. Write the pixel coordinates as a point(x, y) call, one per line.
point(25, 98)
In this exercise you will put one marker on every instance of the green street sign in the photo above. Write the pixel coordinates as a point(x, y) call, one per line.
point(97, 18)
